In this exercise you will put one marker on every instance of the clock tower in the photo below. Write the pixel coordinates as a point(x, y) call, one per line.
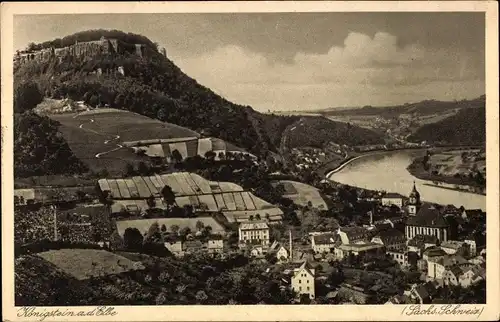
point(414, 202)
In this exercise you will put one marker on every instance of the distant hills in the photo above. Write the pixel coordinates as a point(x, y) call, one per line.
point(425, 107)
point(468, 126)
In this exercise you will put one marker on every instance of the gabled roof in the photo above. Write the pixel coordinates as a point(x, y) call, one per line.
point(254, 225)
point(307, 267)
point(434, 252)
point(390, 234)
point(325, 239)
point(392, 195)
point(421, 240)
point(428, 216)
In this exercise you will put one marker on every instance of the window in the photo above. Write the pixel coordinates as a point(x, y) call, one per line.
point(308, 288)
point(300, 281)
point(307, 281)
point(300, 288)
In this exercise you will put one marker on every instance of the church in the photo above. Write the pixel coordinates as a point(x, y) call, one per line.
point(425, 219)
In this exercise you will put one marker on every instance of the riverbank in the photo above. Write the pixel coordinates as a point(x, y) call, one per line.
point(455, 189)
point(462, 184)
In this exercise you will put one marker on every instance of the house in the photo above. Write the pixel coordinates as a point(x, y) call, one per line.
point(400, 299)
point(428, 221)
point(352, 235)
point(303, 280)
point(254, 232)
point(433, 252)
point(472, 246)
point(344, 250)
point(478, 260)
point(391, 198)
point(257, 251)
point(423, 293)
point(323, 243)
point(352, 294)
point(390, 238)
point(421, 242)
point(194, 246)
point(452, 275)
point(436, 266)
point(398, 255)
point(282, 254)
point(472, 275)
point(454, 246)
point(216, 245)
point(175, 248)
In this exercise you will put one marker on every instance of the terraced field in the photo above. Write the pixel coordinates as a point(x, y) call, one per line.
point(189, 189)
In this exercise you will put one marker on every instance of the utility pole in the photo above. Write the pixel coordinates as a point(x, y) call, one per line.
point(55, 222)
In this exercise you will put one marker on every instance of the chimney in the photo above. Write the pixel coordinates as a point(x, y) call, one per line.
point(290, 237)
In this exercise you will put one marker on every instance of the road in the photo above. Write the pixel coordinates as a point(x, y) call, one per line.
point(115, 137)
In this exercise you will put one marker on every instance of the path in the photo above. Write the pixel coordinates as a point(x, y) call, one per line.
point(116, 137)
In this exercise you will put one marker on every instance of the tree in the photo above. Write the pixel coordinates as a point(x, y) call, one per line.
point(168, 195)
point(199, 225)
point(185, 231)
point(153, 233)
point(176, 156)
point(151, 202)
point(143, 169)
point(175, 229)
point(133, 239)
point(27, 96)
point(210, 155)
point(129, 169)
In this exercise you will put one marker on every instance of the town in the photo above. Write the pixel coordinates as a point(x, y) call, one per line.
point(402, 250)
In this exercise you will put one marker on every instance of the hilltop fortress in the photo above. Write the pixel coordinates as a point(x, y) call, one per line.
point(86, 49)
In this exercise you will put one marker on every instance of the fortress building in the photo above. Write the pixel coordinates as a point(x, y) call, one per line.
point(86, 49)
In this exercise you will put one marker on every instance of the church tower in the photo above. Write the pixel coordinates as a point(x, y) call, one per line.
point(414, 202)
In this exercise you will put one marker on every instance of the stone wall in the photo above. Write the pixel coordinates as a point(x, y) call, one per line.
point(85, 49)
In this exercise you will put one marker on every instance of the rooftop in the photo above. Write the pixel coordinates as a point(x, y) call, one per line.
point(428, 216)
point(249, 225)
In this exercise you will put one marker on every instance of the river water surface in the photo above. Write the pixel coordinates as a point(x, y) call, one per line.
point(387, 171)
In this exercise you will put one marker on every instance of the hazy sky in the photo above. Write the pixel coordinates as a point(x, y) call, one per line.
point(289, 61)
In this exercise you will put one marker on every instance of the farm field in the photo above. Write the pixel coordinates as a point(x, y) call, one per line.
point(189, 189)
point(85, 263)
point(302, 194)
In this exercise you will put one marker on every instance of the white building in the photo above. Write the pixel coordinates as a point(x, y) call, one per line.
point(345, 250)
point(216, 245)
point(175, 247)
point(303, 280)
point(323, 243)
point(282, 254)
point(391, 198)
point(254, 232)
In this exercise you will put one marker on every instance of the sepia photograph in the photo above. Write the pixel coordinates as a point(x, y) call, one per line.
point(224, 158)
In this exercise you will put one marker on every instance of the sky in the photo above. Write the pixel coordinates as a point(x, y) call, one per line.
point(305, 61)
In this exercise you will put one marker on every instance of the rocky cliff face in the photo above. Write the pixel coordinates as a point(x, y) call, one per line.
point(86, 49)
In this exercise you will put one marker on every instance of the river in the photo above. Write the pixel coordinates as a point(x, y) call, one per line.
point(387, 171)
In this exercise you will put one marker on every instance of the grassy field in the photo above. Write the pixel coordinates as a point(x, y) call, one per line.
point(84, 263)
point(93, 132)
point(302, 194)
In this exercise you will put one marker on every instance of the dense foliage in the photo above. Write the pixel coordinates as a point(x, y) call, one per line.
point(319, 131)
point(39, 148)
point(165, 281)
point(468, 126)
